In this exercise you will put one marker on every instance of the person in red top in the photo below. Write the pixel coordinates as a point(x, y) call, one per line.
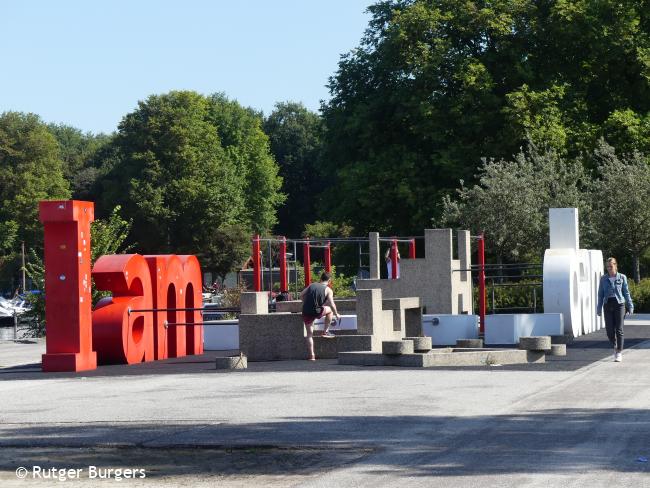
point(317, 302)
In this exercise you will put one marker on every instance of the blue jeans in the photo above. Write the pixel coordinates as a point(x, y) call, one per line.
point(614, 314)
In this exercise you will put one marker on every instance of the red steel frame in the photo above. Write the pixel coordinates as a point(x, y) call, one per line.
point(257, 262)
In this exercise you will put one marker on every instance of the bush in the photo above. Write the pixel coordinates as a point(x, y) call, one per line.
point(640, 295)
point(512, 299)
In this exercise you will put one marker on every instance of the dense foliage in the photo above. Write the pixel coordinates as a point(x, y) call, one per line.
point(191, 168)
point(438, 84)
point(295, 135)
point(477, 114)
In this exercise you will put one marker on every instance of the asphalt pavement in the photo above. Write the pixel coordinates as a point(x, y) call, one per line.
point(579, 420)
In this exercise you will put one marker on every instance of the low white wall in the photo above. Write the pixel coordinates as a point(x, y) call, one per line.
point(445, 329)
point(223, 336)
point(508, 328)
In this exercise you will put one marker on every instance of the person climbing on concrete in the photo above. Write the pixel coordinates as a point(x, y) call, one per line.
point(614, 297)
point(317, 302)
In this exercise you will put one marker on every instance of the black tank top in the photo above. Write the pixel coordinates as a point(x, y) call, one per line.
point(314, 299)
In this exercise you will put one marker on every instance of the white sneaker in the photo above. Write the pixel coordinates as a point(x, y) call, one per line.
point(618, 357)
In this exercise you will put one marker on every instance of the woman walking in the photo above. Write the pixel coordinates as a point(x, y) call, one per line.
point(614, 297)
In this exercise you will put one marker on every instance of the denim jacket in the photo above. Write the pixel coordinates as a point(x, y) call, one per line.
point(621, 292)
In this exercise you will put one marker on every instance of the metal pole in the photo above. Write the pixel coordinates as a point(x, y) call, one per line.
point(328, 258)
point(306, 263)
point(295, 266)
point(534, 299)
point(481, 282)
point(270, 271)
point(23, 268)
point(360, 263)
point(393, 259)
point(493, 302)
point(257, 272)
point(283, 266)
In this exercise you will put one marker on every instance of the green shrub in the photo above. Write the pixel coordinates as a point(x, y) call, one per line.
point(640, 295)
point(516, 298)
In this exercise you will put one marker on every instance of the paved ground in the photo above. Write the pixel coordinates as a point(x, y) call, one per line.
point(576, 421)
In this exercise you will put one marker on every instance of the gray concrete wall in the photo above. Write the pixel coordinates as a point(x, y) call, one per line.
point(436, 279)
point(272, 337)
point(254, 302)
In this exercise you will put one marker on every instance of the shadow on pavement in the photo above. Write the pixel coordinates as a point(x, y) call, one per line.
point(553, 441)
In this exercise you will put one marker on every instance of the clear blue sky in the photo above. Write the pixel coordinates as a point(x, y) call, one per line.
point(87, 63)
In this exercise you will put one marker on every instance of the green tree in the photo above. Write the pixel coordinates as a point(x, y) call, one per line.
point(82, 155)
point(189, 165)
point(621, 196)
point(226, 249)
point(436, 85)
point(295, 135)
point(244, 141)
point(30, 170)
point(510, 202)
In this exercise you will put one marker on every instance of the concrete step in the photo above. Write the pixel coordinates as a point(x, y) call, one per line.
point(329, 348)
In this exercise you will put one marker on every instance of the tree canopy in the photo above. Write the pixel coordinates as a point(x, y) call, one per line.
point(188, 165)
point(295, 135)
point(82, 154)
point(621, 195)
point(438, 84)
point(31, 170)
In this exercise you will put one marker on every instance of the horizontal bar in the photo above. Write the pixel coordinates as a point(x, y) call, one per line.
point(167, 324)
point(388, 239)
point(513, 308)
point(505, 266)
point(209, 309)
point(165, 309)
point(496, 285)
point(205, 324)
point(316, 239)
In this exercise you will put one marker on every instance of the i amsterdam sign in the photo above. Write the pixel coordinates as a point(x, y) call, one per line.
point(131, 325)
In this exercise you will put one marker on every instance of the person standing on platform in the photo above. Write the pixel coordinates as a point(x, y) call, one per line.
point(389, 264)
point(614, 297)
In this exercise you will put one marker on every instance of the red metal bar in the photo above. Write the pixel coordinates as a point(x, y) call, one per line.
point(393, 258)
point(412, 249)
point(283, 265)
point(307, 263)
point(481, 282)
point(328, 258)
point(257, 264)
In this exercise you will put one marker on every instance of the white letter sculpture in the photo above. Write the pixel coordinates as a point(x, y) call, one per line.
point(571, 275)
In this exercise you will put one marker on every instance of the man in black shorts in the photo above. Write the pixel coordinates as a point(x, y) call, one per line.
point(317, 302)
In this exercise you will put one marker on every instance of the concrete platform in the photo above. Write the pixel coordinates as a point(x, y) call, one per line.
point(576, 421)
point(442, 357)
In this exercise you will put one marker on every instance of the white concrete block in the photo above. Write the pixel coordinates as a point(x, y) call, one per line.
point(222, 337)
point(563, 228)
point(508, 328)
point(446, 329)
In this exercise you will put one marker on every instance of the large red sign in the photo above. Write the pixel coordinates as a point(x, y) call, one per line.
point(138, 322)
